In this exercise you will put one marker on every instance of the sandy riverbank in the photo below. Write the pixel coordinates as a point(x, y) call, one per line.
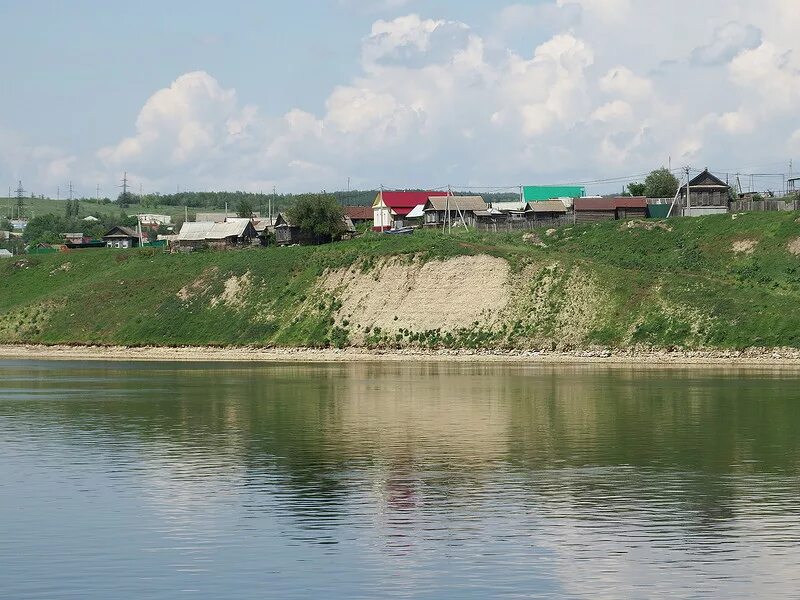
point(753, 357)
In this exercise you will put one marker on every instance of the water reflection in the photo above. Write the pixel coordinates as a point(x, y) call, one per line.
point(367, 480)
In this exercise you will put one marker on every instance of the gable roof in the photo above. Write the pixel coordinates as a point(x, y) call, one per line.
point(456, 202)
point(403, 202)
point(195, 231)
point(610, 203)
point(706, 179)
point(359, 213)
point(120, 231)
point(231, 228)
point(546, 206)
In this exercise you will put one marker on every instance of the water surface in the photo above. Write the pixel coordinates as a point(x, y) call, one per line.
point(165, 480)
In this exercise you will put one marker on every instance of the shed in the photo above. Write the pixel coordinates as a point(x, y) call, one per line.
point(5, 253)
point(390, 208)
point(121, 237)
point(706, 190)
point(440, 210)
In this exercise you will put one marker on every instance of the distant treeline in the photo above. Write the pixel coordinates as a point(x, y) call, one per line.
point(261, 202)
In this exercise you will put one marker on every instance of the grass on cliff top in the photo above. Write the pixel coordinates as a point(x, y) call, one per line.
point(746, 298)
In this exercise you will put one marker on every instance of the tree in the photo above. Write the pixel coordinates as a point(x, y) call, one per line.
point(317, 214)
point(637, 189)
point(661, 183)
point(245, 208)
point(5, 225)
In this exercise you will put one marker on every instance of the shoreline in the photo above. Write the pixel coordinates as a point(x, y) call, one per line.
point(787, 357)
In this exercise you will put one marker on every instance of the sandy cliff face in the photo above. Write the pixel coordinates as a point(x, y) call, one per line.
point(539, 306)
point(406, 294)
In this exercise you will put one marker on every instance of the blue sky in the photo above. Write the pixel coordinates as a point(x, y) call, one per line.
point(403, 93)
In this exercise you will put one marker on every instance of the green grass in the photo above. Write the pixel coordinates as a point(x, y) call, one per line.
point(680, 286)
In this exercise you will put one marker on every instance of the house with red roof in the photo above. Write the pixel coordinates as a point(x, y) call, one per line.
point(390, 208)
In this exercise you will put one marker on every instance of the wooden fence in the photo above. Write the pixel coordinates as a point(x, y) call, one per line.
point(525, 225)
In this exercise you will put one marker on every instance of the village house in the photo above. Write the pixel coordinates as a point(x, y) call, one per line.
point(546, 212)
point(121, 237)
point(391, 208)
point(221, 236)
point(5, 253)
point(707, 194)
point(359, 215)
point(232, 233)
point(589, 210)
point(441, 210)
point(193, 234)
point(74, 238)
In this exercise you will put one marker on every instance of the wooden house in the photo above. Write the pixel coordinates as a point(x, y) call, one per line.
point(287, 234)
point(705, 190)
point(390, 208)
point(546, 212)
point(232, 233)
point(359, 215)
point(121, 237)
point(439, 210)
point(588, 210)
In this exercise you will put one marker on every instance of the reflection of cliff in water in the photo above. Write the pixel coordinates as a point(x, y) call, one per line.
point(432, 436)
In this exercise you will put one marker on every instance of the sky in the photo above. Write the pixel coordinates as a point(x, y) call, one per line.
point(307, 95)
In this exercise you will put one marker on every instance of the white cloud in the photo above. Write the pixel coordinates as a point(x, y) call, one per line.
point(602, 88)
point(727, 42)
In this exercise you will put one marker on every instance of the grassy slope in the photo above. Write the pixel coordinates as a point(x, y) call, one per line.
point(679, 287)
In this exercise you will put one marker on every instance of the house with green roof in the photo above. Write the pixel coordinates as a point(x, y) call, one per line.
point(542, 193)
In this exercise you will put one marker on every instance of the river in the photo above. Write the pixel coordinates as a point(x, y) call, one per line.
point(426, 480)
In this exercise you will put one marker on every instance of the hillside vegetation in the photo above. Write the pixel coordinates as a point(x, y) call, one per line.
point(713, 282)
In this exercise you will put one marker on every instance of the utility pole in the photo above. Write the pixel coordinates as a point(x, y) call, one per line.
point(688, 194)
point(97, 193)
point(71, 190)
point(124, 187)
point(274, 197)
point(20, 199)
point(58, 192)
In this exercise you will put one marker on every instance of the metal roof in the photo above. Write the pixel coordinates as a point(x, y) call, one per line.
point(231, 228)
point(195, 231)
point(456, 202)
point(416, 212)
